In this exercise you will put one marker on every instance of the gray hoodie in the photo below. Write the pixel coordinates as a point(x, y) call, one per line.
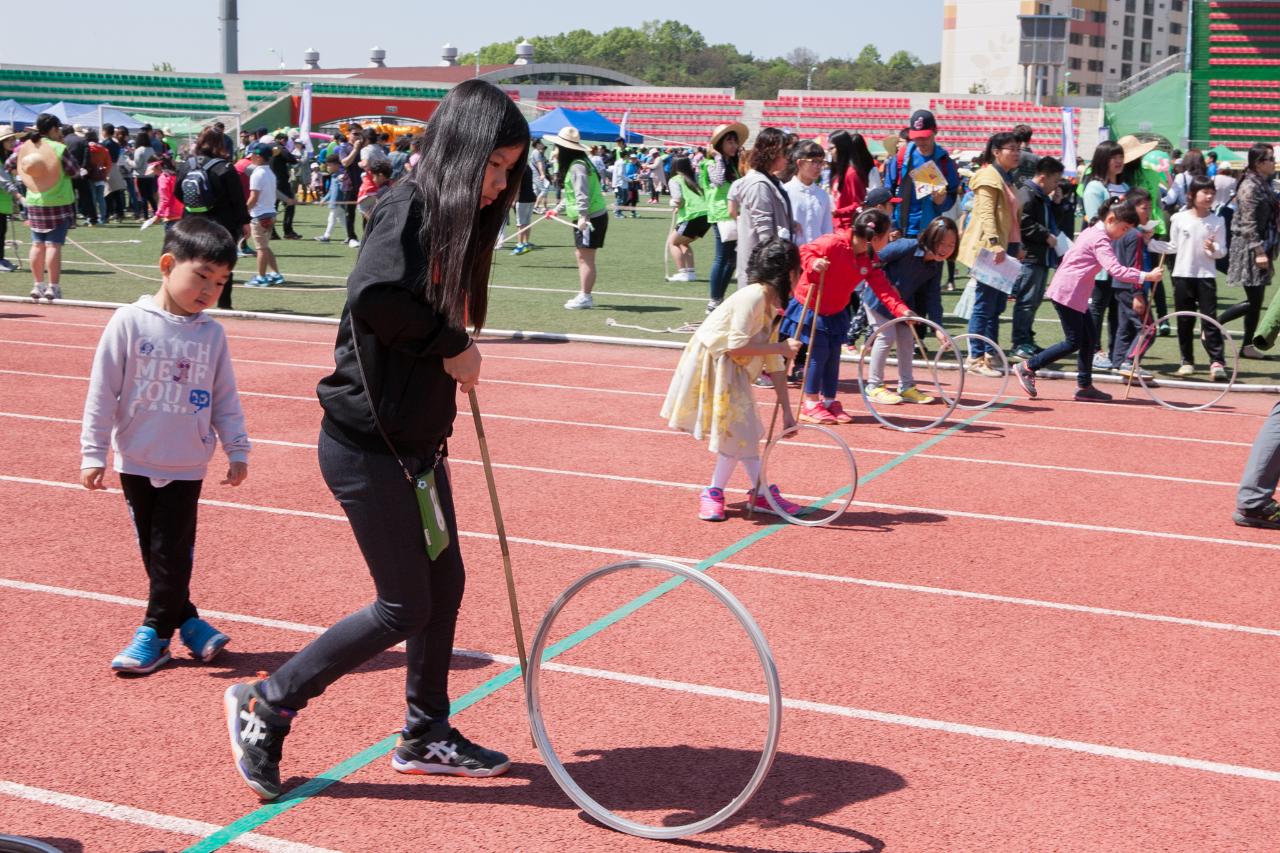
point(161, 386)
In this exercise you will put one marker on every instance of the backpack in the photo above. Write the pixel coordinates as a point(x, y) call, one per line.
point(99, 165)
point(901, 177)
point(195, 190)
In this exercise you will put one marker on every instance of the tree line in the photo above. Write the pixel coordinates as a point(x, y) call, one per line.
point(669, 53)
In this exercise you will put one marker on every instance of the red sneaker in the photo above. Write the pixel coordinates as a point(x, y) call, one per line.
point(837, 411)
point(816, 413)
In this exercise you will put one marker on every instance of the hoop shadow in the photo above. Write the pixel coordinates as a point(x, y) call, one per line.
point(13, 315)
point(800, 790)
point(641, 309)
point(857, 518)
point(236, 665)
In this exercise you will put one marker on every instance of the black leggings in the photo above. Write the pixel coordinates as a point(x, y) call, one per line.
point(4, 232)
point(1250, 308)
point(351, 217)
point(165, 520)
point(1197, 294)
point(417, 597)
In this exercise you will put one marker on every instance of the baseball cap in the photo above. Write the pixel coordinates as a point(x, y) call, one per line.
point(878, 196)
point(262, 149)
point(922, 124)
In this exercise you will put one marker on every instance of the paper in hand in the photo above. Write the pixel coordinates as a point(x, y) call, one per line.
point(1002, 276)
point(928, 179)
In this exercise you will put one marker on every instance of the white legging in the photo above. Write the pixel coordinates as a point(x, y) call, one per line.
point(726, 464)
point(901, 334)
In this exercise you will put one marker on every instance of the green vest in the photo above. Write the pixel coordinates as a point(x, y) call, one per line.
point(694, 204)
point(61, 193)
point(717, 198)
point(596, 203)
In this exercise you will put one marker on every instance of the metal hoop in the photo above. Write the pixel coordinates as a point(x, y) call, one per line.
point(22, 844)
point(948, 341)
point(808, 520)
point(557, 769)
point(1004, 361)
point(1231, 380)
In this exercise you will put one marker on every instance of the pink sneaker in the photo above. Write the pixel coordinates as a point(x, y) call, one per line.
point(816, 413)
point(711, 504)
point(837, 411)
point(762, 503)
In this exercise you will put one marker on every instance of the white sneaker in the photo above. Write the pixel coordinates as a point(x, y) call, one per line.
point(1250, 351)
point(323, 238)
point(353, 244)
point(37, 292)
point(577, 303)
point(7, 266)
point(1187, 370)
point(53, 291)
point(683, 275)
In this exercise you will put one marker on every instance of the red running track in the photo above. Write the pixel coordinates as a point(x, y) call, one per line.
point(1041, 632)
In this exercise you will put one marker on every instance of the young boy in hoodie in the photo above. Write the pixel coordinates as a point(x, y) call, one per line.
point(161, 387)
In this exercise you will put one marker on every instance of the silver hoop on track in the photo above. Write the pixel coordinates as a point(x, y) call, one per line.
point(948, 342)
point(557, 769)
point(809, 519)
point(1004, 364)
point(22, 844)
point(1227, 341)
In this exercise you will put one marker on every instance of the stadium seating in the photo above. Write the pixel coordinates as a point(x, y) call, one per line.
point(139, 91)
point(679, 117)
point(1235, 94)
point(966, 123)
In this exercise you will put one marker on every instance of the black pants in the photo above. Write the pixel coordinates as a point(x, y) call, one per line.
point(1078, 337)
point(165, 520)
point(351, 217)
point(417, 597)
point(1197, 294)
point(1102, 306)
point(4, 232)
point(148, 186)
point(288, 216)
point(84, 199)
point(116, 205)
point(1250, 308)
point(1128, 327)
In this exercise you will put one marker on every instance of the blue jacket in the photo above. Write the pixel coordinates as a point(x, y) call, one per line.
point(904, 264)
point(922, 210)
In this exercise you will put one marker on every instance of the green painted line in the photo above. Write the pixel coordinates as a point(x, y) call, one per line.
point(338, 772)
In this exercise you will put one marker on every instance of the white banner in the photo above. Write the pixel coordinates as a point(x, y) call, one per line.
point(1069, 141)
point(304, 118)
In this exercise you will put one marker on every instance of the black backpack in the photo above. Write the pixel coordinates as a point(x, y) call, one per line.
point(196, 189)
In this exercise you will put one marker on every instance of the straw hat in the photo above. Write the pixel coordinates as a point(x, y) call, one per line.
point(734, 127)
point(568, 137)
point(1135, 150)
point(39, 166)
point(7, 132)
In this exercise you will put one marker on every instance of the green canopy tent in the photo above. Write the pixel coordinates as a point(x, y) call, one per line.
point(1225, 154)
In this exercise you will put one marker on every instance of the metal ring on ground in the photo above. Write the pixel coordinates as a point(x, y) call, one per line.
point(22, 844)
point(1231, 380)
point(562, 777)
point(809, 519)
point(948, 342)
point(1004, 362)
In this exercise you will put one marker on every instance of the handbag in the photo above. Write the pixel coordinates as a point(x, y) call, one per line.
point(434, 529)
point(728, 229)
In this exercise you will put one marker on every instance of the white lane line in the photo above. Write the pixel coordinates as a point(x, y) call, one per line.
point(328, 367)
point(742, 567)
point(669, 433)
point(946, 726)
point(1131, 435)
point(152, 820)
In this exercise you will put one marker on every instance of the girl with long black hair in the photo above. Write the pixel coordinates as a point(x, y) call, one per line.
point(850, 177)
point(403, 351)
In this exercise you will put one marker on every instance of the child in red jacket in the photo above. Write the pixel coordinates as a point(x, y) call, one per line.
point(847, 258)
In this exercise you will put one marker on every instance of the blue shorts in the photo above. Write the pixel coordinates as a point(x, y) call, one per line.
point(57, 235)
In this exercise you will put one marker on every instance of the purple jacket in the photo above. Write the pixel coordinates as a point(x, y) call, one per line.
point(1091, 252)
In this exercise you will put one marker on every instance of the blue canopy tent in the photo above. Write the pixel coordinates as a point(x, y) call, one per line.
point(592, 126)
point(17, 115)
point(88, 115)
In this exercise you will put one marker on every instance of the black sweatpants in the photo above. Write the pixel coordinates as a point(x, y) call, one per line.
point(417, 598)
point(4, 233)
point(1250, 308)
point(1197, 294)
point(165, 520)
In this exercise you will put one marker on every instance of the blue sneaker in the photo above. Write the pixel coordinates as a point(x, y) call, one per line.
point(521, 248)
point(204, 640)
point(145, 654)
point(275, 278)
point(258, 281)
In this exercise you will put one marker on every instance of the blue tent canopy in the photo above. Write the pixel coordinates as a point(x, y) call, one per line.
point(87, 114)
point(592, 126)
point(15, 114)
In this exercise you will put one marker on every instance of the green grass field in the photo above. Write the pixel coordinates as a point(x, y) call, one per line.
point(529, 290)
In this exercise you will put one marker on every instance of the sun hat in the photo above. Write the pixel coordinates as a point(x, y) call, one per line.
point(7, 132)
point(568, 137)
point(1135, 150)
point(39, 166)
point(735, 127)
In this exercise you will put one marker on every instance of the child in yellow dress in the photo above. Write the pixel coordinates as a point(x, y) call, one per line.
point(710, 395)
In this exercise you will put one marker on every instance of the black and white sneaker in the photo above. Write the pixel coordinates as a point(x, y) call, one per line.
point(442, 750)
point(257, 734)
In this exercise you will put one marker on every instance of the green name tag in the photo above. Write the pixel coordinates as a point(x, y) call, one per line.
point(433, 525)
